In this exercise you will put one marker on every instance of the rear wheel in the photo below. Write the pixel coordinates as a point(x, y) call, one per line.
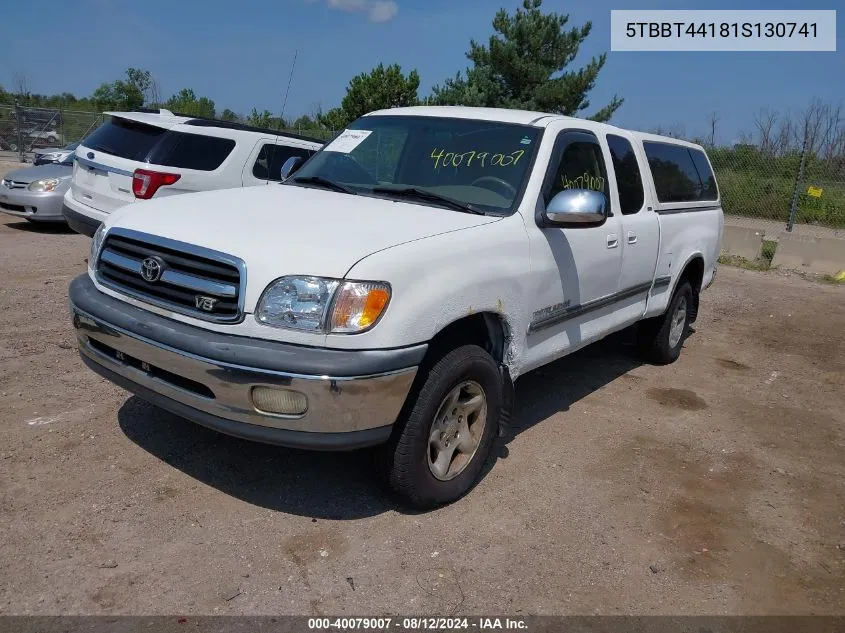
point(661, 339)
point(445, 438)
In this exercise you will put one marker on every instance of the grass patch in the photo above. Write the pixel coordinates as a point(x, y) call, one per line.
point(767, 253)
point(833, 279)
point(763, 262)
point(748, 264)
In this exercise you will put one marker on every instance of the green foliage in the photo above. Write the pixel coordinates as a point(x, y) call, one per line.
point(755, 184)
point(186, 102)
point(379, 89)
point(123, 95)
point(334, 119)
point(229, 115)
point(304, 122)
point(767, 252)
point(260, 119)
point(523, 66)
point(740, 262)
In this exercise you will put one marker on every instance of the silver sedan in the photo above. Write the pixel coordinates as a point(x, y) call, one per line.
point(36, 193)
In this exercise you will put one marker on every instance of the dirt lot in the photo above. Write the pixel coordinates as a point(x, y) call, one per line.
point(716, 485)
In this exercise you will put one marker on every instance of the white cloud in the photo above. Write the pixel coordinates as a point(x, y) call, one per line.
point(377, 10)
point(382, 10)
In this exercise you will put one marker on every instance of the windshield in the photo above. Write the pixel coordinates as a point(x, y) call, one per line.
point(482, 164)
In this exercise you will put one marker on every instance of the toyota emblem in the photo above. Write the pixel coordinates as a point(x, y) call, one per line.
point(152, 268)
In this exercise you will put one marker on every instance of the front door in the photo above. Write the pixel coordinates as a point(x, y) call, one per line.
point(576, 270)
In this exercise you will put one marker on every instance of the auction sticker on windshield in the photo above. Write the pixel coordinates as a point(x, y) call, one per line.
point(347, 141)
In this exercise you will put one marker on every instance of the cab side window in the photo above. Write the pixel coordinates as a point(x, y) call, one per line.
point(577, 164)
point(628, 179)
point(270, 159)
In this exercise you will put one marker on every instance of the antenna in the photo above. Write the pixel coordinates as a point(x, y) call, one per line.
point(281, 116)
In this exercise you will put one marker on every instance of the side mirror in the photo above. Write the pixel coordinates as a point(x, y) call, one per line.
point(290, 166)
point(577, 207)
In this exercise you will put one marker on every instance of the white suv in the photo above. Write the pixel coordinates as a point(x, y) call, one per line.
point(145, 154)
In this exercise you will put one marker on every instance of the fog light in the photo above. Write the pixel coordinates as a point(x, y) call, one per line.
point(279, 401)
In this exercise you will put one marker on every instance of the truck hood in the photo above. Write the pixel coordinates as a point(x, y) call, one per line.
point(282, 230)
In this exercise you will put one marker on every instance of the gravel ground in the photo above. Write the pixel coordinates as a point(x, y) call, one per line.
point(713, 486)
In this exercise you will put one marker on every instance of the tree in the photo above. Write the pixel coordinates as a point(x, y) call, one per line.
point(263, 119)
point(712, 120)
point(380, 89)
point(21, 87)
point(142, 81)
point(304, 122)
point(186, 102)
point(523, 66)
point(124, 95)
point(229, 115)
point(765, 121)
point(334, 119)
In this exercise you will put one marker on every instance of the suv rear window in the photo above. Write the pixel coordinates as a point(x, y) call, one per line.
point(681, 174)
point(125, 138)
point(147, 143)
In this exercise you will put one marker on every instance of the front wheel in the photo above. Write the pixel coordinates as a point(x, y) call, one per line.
point(660, 339)
point(445, 438)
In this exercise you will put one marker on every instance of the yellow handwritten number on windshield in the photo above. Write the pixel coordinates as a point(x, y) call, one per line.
point(442, 158)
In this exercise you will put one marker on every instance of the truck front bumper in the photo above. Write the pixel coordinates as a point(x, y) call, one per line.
point(352, 397)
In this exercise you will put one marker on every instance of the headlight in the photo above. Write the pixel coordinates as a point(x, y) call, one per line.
point(318, 304)
point(45, 184)
point(299, 303)
point(96, 244)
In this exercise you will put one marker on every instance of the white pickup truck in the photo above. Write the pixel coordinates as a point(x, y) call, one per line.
point(391, 291)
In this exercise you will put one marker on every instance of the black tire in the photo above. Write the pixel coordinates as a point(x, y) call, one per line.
point(404, 459)
point(653, 335)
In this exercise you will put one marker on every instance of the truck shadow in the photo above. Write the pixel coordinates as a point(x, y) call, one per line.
point(341, 486)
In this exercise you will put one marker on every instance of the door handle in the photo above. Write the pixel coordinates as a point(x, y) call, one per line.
point(612, 240)
point(632, 237)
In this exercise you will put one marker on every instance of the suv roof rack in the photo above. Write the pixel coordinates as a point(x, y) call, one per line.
point(200, 121)
point(234, 125)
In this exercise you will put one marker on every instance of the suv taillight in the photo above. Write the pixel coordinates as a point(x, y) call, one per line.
point(145, 183)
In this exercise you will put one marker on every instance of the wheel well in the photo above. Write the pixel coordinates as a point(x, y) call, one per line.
point(485, 329)
point(694, 274)
point(489, 331)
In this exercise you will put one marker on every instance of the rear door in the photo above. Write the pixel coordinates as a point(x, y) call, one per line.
point(106, 160)
point(640, 229)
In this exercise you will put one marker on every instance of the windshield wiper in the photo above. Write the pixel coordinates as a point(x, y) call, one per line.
point(416, 193)
point(324, 182)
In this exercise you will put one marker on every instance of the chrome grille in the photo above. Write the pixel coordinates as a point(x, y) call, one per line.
point(15, 184)
point(190, 280)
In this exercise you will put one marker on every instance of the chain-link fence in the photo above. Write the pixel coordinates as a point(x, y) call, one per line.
point(797, 187)
point(24, 130)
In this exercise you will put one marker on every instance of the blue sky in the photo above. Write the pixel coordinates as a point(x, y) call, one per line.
point(239, 54)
